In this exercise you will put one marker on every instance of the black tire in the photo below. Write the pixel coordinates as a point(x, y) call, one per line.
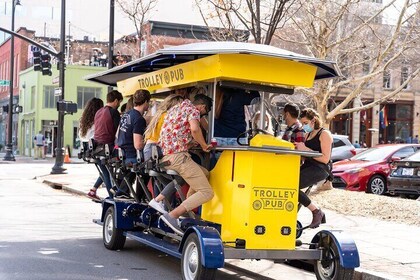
point(114, 238)
point(330, 268)
point(191, 266)
point(377, 185)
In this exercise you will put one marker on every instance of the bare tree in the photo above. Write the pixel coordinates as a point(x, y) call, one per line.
point(356, 35)
point(261, 18)
point(138, 11)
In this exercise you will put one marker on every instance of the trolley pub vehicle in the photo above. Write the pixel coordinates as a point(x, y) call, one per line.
point(253, 214)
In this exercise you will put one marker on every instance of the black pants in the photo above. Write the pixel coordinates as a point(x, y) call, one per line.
point(310, 174)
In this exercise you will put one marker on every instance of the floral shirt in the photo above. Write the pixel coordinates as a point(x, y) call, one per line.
point(176, 131)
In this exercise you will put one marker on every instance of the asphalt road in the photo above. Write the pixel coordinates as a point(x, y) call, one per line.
point(48, 234)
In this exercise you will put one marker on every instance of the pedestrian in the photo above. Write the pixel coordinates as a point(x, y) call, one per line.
point(294, 131)
point(39, 142)
point(106, 124)
point(356, 144)
point(130, 135)
point(181, 125)
point(86, 133)
point(416, 140)
point(315, 169)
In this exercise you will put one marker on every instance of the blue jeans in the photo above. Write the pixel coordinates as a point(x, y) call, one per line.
point(104, 174)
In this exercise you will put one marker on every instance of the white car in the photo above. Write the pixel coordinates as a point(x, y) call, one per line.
point(342, 148)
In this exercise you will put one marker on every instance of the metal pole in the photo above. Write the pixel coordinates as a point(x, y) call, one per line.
point(59, 152)
point(9, 147)
point(111, 36)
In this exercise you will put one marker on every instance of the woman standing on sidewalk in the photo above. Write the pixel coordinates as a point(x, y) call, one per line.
point(86, 132)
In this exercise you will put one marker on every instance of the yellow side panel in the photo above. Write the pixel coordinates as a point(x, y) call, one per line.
point(256, 195)
point(234, 67)
point(267, 70)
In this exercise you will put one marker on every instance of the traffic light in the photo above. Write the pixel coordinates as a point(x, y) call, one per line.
point(37, 60)
point(46, 64)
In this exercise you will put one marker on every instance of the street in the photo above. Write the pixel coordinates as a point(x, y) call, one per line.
point(49, 234)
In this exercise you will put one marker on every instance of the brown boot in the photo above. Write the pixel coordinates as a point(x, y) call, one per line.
point(318, 217)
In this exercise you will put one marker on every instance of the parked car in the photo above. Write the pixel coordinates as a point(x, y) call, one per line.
point(368, 171)
point(405, 179)
point(342, 148)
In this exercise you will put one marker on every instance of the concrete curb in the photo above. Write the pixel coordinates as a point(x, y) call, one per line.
point(360, 274)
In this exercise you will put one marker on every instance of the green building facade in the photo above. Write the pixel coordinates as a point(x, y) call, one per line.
point(38, 97)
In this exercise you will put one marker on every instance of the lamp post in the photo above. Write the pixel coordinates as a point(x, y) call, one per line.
point(9, 146)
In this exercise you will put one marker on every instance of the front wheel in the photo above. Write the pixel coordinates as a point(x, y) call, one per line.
point(191, 266)
point(114, 238)
point(377, 185)
point(329, 268)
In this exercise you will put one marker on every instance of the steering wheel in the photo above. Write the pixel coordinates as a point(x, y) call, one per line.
point(251, 132)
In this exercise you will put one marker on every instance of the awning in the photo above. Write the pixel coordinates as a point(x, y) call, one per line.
point(173, 56)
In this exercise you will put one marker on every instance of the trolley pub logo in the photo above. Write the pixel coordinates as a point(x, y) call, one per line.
point(273, 199)
point(162, 78)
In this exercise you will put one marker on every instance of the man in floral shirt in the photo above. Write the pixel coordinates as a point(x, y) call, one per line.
point(180, 127)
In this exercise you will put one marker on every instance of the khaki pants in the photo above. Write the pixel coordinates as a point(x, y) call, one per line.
point(195, 175)
point(39, 151)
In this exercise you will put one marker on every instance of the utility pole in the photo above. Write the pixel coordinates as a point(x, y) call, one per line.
point(9, 146)
point(59, 152)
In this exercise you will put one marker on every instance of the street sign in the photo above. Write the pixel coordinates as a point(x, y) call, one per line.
point(57, 91)
point(55, 80)
point(4, 83)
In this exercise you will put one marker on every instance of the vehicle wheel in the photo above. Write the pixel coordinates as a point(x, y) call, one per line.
point(113, 238)
point(298, 229)
point(377, 185)
point(191, 266)
point(330, 267)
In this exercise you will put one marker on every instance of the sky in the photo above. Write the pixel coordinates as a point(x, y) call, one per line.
point(89, 17)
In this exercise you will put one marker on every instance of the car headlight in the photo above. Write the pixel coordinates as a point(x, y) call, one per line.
point(354, 170)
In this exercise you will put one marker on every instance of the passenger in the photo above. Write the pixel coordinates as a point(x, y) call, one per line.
point(130, 134)
point(229, 119)
point(152, 132)
point(294, 131)
point(316, 169)
point(180, 126)
point(86, 132)
point(106, 124)
point(127, 106)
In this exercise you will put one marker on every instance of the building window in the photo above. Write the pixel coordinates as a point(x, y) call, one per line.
point(404, 76)
point(386, 79)
point(32, 106)
point(50, 101)
point(84, 94)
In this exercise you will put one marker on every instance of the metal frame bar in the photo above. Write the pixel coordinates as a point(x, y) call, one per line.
point(298, 254)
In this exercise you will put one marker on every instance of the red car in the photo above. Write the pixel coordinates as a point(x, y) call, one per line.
point(368, 171)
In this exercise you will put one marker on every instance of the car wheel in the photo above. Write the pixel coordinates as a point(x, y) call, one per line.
point(377, 185)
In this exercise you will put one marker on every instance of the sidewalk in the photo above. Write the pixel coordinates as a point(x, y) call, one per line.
point(387, 250)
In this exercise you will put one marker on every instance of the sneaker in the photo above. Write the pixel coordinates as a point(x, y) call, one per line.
point(92, 194)
point(158, 206)
point(172, 223)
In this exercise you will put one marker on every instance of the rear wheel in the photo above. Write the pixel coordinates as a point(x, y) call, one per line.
point(329, 268)
point(114, 238)
point(377, 185)
point(191, 266)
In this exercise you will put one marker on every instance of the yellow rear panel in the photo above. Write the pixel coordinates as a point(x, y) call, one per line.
point(256, 196)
